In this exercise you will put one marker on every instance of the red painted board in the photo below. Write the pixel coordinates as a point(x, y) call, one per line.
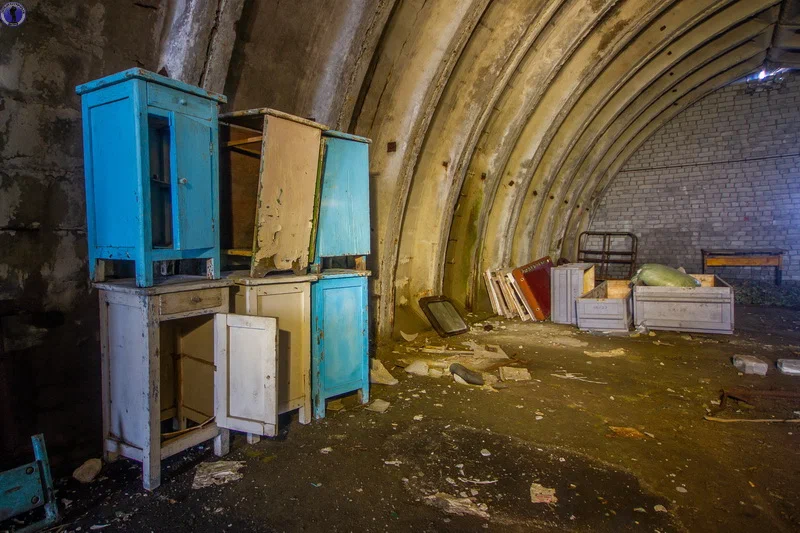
point(534, 282)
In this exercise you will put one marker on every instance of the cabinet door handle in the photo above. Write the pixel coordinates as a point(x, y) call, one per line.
point(183, 181)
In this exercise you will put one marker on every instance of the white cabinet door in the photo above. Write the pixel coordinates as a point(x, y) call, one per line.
point(245, 392)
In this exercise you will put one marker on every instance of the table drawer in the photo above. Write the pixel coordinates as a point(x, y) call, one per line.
point(166, 98)
point(183, 302)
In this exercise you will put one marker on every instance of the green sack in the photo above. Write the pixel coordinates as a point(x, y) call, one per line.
point(663, 276)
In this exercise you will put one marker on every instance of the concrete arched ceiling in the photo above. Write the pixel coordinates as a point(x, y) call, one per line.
point(496, 124)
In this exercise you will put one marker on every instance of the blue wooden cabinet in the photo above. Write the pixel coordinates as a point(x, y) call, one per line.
point(151, 157)
point(339, 299)
point(344, 225)
point(340, 337)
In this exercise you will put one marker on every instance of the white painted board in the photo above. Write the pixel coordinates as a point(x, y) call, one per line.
point(246, 357)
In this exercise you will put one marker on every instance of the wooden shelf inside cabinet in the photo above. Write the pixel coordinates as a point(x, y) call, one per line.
point(215, 370)
point(268, 189)
point(241, 142)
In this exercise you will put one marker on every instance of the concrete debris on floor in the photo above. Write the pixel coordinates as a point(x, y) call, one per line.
point(217, 473)
point(630, 433)
point(508, 373)
point(378, 374)
point(616, 352)
point(585, 444)
point(790, 367)
point(378, 406)
point(458, 506)
point(750, 364)
point(88, 471)
point(540, 494)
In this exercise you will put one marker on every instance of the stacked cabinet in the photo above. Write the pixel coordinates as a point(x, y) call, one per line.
point(151, 167)
point(287, 298)
point(340, 337)
point(179, 369)
point(344, 225)
point(270, 169)
point(340, 302)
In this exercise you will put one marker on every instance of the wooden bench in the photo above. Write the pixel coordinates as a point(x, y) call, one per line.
point(765, 257)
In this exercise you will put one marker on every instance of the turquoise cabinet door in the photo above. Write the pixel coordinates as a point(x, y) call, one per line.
point(340, 348)
point(193, 184)
point(344, 203)
point(112, 169)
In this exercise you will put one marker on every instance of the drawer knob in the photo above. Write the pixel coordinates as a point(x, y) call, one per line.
point(196, 299)
point(182, 101)
point(183, 181)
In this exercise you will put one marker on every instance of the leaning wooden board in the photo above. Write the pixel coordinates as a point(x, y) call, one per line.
point(534, 282)
point(286, 193)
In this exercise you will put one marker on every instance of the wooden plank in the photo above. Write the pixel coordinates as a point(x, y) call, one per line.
point(286, 190)
point(237, 126)
point(239, 142)
point(239, 252)
point(518, 307)
point(193, 438)
point(115, 447)
point(526, 313)
point(172, 284)
point(242, 277)
point(754, 251)
point(750, 260)
point(105, 353)
point(490, 288)
point(511, 308)
point(501, 296)
point(246, 151)
point(151, 450)
point(272, 113)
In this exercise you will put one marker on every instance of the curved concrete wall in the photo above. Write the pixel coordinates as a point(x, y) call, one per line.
point(508, 116)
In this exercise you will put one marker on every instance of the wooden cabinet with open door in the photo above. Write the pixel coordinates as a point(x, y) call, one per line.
point(178, 369)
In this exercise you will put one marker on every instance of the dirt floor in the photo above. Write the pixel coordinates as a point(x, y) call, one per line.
point(358, 470)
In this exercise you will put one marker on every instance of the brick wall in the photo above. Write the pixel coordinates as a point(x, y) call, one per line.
point(725, 173)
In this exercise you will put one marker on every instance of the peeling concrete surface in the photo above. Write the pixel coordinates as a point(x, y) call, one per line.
point(49, 354)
